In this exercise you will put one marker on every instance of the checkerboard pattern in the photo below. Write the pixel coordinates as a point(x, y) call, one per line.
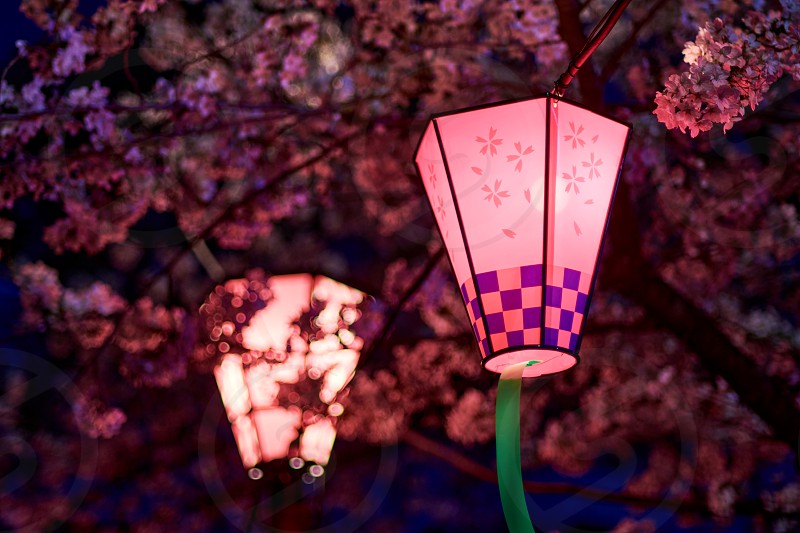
point(474, 312)
point(512, 300)
point(567, 296)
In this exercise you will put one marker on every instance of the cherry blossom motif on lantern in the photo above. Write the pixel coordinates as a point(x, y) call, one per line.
point(440, 211)
point(592, 166)
point(575, 136)
point(491, 143)
point(518, 156)
point(432, 175)
point(573, 180)
point(495, 194)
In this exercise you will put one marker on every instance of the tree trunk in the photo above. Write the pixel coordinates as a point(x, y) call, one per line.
point(627, 271)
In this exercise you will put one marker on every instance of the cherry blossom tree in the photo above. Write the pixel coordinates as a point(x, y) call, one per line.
point(152, 149)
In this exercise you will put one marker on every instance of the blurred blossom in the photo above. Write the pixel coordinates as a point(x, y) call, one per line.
point(156, 343)
point(98, 297)
point(471, 420)
point(72, 58)
point(97, 420)
point(32, 94)
point(94, 96)
point(629, 525)
point(40, 289)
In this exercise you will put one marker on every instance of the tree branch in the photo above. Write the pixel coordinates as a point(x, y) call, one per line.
point(247, 200)
point(769, 397)
point(484, 473)
point(617, 55)
point(410, 292)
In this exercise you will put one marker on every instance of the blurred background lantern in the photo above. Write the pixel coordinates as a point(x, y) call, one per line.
point(521, 192)
point(284, 352)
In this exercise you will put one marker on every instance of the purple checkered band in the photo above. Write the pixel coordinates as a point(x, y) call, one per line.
point(474, 312)
point(512, 301)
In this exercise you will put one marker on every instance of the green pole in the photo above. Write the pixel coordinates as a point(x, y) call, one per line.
point(509, 467)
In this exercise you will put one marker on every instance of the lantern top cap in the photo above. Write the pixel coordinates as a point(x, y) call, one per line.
point(540, 96)
point(549, 95)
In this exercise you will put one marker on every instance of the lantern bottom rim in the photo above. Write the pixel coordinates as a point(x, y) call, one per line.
point(552, 360)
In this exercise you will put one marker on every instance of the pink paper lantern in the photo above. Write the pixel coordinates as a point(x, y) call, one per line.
point(522, 192)
point(284, 352)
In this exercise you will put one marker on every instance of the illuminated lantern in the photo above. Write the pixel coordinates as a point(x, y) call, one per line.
point(521, 192)
point(285, 353)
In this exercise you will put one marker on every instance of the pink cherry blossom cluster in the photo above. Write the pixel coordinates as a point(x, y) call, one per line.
point(41, 293)
point(153, 342)
point(156, 343)
point(98, 420)
point(731, 67)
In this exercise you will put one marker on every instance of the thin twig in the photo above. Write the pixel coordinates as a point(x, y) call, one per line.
point(411, 291)
point(127, 68)
point(250, 198)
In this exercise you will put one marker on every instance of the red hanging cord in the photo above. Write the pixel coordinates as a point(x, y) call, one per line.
point(597, 36)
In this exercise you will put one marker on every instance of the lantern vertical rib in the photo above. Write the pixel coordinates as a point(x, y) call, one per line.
point(545, 221)
point(438, 228)
point(603, 239)
point(472, 271)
